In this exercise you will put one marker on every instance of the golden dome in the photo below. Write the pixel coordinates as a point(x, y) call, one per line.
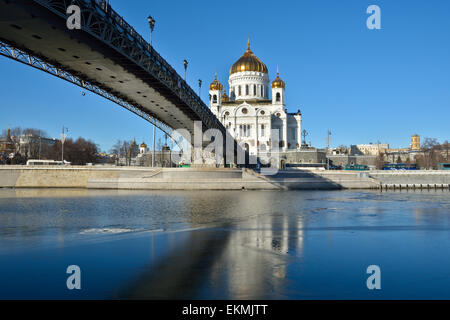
point(225, 97)
point(248, 62)
point(278, 83)
point(215, 85)
point(143, 145)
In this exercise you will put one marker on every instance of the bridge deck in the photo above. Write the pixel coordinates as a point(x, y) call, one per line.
point(40, 32)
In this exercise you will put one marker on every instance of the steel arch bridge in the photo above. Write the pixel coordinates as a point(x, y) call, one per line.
point(107, 57)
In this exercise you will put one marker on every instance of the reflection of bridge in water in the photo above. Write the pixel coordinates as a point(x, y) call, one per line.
point(107, 57)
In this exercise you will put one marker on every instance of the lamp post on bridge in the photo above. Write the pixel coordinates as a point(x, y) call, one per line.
point(151, 23)
point(199, 86)
point(185, 62)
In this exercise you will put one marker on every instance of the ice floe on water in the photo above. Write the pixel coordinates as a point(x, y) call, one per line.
point(109, 230)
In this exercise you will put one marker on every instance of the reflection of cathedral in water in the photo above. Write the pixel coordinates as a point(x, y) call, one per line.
point(257, 254)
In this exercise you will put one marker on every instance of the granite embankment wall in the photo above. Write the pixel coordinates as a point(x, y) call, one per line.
point(420, 177)
point(204, 178)
point(176, 178)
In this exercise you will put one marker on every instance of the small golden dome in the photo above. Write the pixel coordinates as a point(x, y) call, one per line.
point(215, 85)
point(225, 97)
point(143, 145)
point(278, 83)
point(248, 62)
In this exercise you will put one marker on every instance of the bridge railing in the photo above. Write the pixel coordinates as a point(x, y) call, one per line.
point(108, 11)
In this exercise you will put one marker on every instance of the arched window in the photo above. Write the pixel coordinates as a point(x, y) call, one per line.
point(278, 98)
point(240, 130)
point(249, 130)
point(263, 147)
point(254, 89)
point(263, 130)
point(246, 90)
point(262, 91)
point(239, 91)
point(215, 99)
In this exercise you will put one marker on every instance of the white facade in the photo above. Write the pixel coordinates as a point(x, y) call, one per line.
point(249, 113)
point(373, 149)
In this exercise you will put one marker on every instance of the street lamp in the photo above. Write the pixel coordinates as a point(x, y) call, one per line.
point(151, 23)
point(199, 86)
point(40, 144)
point(328, 149)
point(304, 133)
point(153, 151)
point(63, 139)
point(185, 68)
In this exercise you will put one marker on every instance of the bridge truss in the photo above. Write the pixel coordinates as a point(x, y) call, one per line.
point(22, 56)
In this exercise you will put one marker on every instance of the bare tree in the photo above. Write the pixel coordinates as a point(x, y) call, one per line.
point(445, 145)
point(32, 141)
point(117, 148)
point(432, 153)
point(79, 152)
point(379, 161)
point(159, 144)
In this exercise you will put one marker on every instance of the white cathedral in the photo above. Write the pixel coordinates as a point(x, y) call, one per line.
point(248, 113)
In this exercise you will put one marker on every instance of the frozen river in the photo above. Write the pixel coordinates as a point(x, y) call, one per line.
point(224, 245)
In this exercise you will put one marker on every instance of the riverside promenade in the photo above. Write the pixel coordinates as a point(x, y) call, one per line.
point(137, 178)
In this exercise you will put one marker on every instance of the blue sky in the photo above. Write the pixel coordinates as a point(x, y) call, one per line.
point(364, 85)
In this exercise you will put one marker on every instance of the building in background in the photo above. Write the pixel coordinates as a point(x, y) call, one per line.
point(369, 149)
point(7, 145)
point(143, 148)
point(407, 155)
point(32, 146)
point(143, 158)
point(415, 143)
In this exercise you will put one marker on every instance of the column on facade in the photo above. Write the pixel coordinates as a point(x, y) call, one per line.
point(257, 133)
point(235, 125)
point(285, 133)
point(299, 133)
point(269, 147)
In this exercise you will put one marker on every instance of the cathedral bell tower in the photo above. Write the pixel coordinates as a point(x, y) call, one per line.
point(215, 96)
point(278, 86)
